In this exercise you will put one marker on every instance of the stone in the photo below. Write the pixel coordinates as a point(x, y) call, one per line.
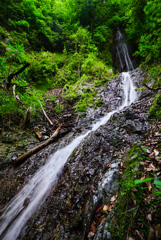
point(109, 185)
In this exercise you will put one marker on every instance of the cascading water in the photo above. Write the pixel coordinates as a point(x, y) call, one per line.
point(129, 89)
point(25, 203)
point(122, 53)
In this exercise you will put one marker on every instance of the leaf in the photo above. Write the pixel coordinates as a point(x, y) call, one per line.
point(113, 198)
point(100, 209)
point(157, 134)
point(105, 208)
point(91, 234)
point(110, 208)
point(99, 220)
point(139, 181)
point(148, 199)
point(149, 186)
point(142, 178)
point(93, 227)
point(151, 167)
point(158, 184)
point(149, 217)
point(122, 165)
point(156, 152)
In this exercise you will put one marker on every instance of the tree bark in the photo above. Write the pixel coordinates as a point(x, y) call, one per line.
point(37, 148)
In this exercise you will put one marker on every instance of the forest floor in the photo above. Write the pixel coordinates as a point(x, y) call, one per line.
point(137, 212)
point(16, 140)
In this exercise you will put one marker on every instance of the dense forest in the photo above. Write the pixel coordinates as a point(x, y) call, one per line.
point(60, 44)
point(63, 49)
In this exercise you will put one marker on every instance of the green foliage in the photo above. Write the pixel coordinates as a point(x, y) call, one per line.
point(31, 16)
point(3, 68)
point(43, 69)
point(154, 74)
point(9, 106)
point(20, 38)
point(140, 181)
point(81, 106)
point(130, 207)
point(95, 67)
point(58, 108)
point(158, 184)
point(144, 26)
point(16, 53)
point(155, 110)
point(3, 33)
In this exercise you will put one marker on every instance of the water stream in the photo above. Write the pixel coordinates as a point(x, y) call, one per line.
point(25, 203)
point(122, 51)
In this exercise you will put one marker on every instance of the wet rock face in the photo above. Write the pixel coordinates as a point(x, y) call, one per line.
point(88, 179)
point(112, 96)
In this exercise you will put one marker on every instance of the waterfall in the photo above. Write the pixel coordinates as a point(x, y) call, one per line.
point(122, 52)
point(129, 89)
point(25, 203)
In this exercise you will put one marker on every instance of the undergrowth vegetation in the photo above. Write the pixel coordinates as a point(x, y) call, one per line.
point(69, 42)
point(68, 45)
point(139, 198)
point(78, 72)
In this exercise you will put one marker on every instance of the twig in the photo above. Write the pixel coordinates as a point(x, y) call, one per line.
point(51, 123)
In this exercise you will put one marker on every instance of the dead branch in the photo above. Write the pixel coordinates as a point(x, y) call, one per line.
point(45, 114)
point(12, 75)
point(152, 89)
point(14, 93)
point(37, 132)
point(37, 148)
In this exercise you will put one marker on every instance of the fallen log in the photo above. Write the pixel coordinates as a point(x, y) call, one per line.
point(45, 114)
point(37, 148)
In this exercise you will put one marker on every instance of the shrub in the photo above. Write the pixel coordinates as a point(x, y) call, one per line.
point(155, 110)
point(42, 69)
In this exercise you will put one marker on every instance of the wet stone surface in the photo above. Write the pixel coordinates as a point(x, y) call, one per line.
point(87, 180)
point(112, 96)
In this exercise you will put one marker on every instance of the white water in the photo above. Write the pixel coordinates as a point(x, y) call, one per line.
point(122, 49)
point(39, 186)
point(42, 181)
point(129, 89)
point(119, 58)
point(127, 57)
